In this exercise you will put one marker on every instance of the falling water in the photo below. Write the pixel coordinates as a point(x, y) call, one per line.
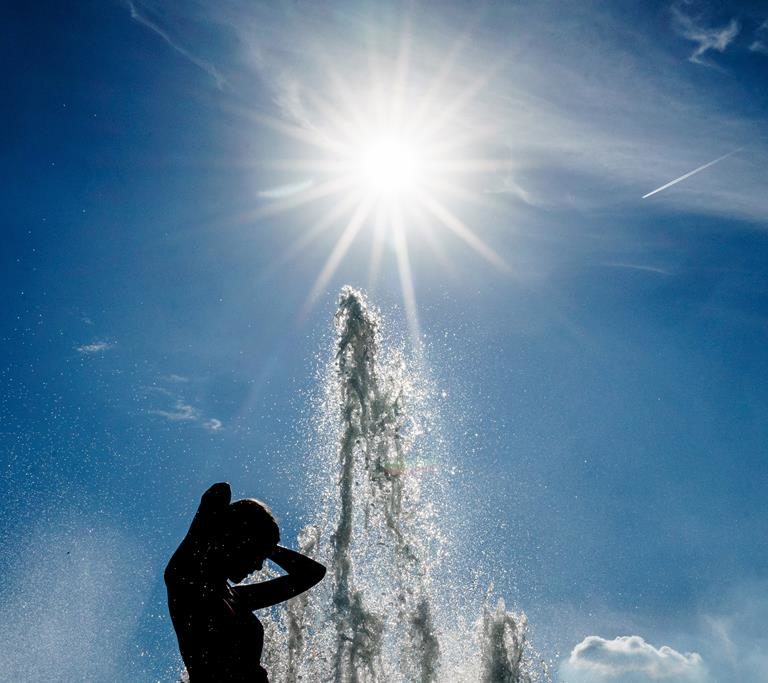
point(379, 615)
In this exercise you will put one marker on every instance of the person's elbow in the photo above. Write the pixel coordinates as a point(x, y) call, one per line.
point(316, 574)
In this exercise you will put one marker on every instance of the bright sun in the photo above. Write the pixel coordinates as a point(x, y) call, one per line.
point(391, 159)
point(390, 165)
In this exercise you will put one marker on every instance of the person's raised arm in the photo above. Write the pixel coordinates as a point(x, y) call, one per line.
point(297, 565)
point(213, 503)
point(303, 573)
point(193, 548)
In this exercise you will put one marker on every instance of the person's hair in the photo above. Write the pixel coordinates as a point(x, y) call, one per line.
point(249, 518)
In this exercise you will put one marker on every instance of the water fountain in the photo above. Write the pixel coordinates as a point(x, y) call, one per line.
point(379, 616)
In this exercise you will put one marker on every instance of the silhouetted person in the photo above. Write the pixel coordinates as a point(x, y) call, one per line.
point(219, 636)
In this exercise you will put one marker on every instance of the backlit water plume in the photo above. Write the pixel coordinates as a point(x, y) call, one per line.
point(384, 613)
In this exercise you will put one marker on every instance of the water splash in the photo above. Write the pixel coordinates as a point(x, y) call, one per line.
point(379, 615)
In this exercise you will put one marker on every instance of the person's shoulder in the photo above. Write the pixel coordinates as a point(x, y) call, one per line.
point(171, 574)
point(180, 570)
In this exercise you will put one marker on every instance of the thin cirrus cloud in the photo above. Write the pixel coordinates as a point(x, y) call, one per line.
point(706, 38)
point(574, 141)
point(213, 424)
point(176, 379)
point(760, 43)
point(209, 68)
point(283, 191)
point(181, 410)
point(94, 348)
point(577, 142)
point(735, 633)
point(630, 659)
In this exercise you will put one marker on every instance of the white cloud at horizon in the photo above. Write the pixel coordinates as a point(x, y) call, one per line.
point(725, 629)
point(630, 659)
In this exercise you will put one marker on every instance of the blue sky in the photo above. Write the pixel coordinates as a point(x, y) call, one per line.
point(606, 392)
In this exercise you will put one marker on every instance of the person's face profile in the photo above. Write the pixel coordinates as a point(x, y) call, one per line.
point(244, 558)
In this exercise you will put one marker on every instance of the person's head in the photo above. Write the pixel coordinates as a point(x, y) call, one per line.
point(250, 532)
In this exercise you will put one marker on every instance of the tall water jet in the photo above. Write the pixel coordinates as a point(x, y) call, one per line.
point(378, 616)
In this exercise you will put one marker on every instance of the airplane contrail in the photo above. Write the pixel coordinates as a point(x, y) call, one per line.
point(690, 173)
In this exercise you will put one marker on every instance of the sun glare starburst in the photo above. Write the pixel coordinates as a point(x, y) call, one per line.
point(388, 161)
point(390, 164)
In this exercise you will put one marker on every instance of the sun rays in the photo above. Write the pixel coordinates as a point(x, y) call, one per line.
point(385, 160)
point(389, 164)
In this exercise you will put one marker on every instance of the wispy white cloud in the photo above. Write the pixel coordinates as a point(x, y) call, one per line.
point(155, 389)
point(735, 635)
point(573, 140)
point(176, 379)
point(94, 347)
point(287, 91)
point(285, 190)
point(639, 266)
point(630, 659)
point(209, 68)
point(706, 38)
point(181, 412)
point(506, 185)
point(760, 43)
point(213, 424)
